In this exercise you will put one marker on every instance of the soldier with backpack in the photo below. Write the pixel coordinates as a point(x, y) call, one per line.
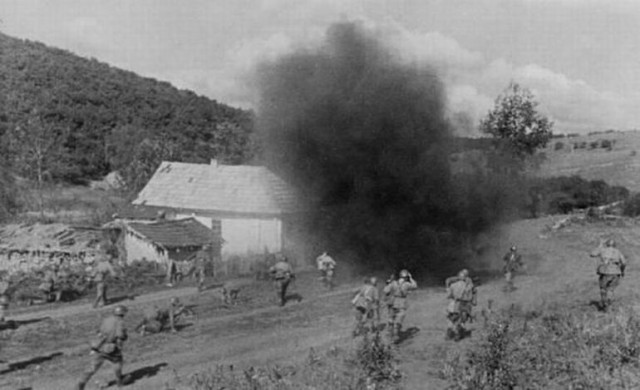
point(462, 297)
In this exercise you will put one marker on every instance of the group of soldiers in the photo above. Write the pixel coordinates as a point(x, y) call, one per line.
point(395, 293)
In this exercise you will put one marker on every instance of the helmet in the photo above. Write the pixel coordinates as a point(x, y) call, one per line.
point(463, 273)
point(404, 273)
point(611, 242)
point(120, 310)
point(373, 280)
point(175, 301)
point(514, 248)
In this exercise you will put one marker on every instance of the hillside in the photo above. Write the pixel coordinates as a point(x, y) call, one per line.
point(68, 118)
point(618, 165)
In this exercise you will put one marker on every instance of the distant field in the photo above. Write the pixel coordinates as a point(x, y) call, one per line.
point(618, 166)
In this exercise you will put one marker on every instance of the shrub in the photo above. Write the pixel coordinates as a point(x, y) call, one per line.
point(372, 366)
point(631, 207)
point(560, 350)
point(558, 146)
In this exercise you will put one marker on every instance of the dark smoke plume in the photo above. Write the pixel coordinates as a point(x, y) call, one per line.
point(367, 140)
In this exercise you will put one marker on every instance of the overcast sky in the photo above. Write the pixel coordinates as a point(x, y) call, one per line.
point(580, 58)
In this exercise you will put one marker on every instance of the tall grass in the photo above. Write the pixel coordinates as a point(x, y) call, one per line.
point(555, 350)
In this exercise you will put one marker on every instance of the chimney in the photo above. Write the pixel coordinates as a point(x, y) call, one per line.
point(214, 162)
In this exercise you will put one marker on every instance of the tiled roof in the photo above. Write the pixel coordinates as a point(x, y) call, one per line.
point(174, 233)
point(223, 188)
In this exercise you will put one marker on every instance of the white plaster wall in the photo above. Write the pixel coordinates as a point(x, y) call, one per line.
point(251, 236)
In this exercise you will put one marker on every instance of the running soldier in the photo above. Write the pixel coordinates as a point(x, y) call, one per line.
point(367, 305)
point(610, 270)
point(156, 319)
point(388, 300)
point(399, 290)
point(462, 297)
point(512, 261)
point(108, 346)
point(101, 273)
point(282, 274)
point(326, 266)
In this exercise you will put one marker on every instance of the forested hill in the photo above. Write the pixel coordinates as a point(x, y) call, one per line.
point(68, 118)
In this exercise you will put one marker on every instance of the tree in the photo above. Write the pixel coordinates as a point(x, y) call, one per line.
point(516, 121)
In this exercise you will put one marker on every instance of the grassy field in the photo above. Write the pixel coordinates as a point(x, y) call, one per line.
point(618, 166)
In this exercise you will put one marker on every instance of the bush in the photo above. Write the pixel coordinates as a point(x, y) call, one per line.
point(558, 146)
point(631, 207)
point(560, 350)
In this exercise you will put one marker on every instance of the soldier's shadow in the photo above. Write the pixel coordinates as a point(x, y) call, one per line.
point(26, 363)
point(293, 297)
point(407, 334)
point(15, 324)
point(121, 298)
point(141, 373)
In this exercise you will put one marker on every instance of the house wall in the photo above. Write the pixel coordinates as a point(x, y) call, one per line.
point(245, 236)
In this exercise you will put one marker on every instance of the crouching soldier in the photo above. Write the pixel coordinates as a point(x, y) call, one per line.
point(462, 297)
point(282, 274)
point(156, 320)
point(367, 305)
point(108, 346)
point(399, 291)
point(610, 270)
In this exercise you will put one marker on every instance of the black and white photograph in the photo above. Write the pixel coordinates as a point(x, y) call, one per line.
point(319, 194)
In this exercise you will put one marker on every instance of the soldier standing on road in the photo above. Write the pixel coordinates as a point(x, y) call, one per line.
point(326, 266)
point(399, 290)
point(200, 263)
point(388, 300)
point(4, 296)
point(462, 297)
point(50, 285)
point(103, 270)
point(108, 346)
point(156, 319)
point(610, 270)
point(512, 261)
point(367, 305)
point(282, 274)
point(172, 272)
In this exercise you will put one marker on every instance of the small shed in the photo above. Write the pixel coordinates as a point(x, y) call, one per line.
point(159, 241)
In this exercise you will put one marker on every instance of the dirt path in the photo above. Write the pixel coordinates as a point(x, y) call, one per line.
point(559, 268)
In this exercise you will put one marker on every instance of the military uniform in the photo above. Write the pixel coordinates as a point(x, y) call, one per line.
point(399, 291)
point(512, 261)
point(462, 297)
point(282, 274)
point(107, 347)
point(172, 272)
point(103, 270)
point(49, 286)
point(4, 299)
point(367, 303)
point(200, 263)
point(610, 270)
point(326, 266)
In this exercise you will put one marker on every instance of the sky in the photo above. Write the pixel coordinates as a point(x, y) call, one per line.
point(581, 59)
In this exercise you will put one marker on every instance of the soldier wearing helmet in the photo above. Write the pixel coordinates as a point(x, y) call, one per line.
point(399, 290)
point(108, 346)
point(367, 305)
point(462, 297)
point(156, 319)
point(282, 274)
point(610, 270)
point(326, 266)
point(100, 276)
point(512, 262)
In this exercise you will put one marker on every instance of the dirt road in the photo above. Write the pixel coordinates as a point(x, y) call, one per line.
point(255, 332)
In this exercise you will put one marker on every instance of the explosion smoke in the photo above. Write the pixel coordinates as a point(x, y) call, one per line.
point(367, 139)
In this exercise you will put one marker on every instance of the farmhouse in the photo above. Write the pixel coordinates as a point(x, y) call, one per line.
point(253, 209)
